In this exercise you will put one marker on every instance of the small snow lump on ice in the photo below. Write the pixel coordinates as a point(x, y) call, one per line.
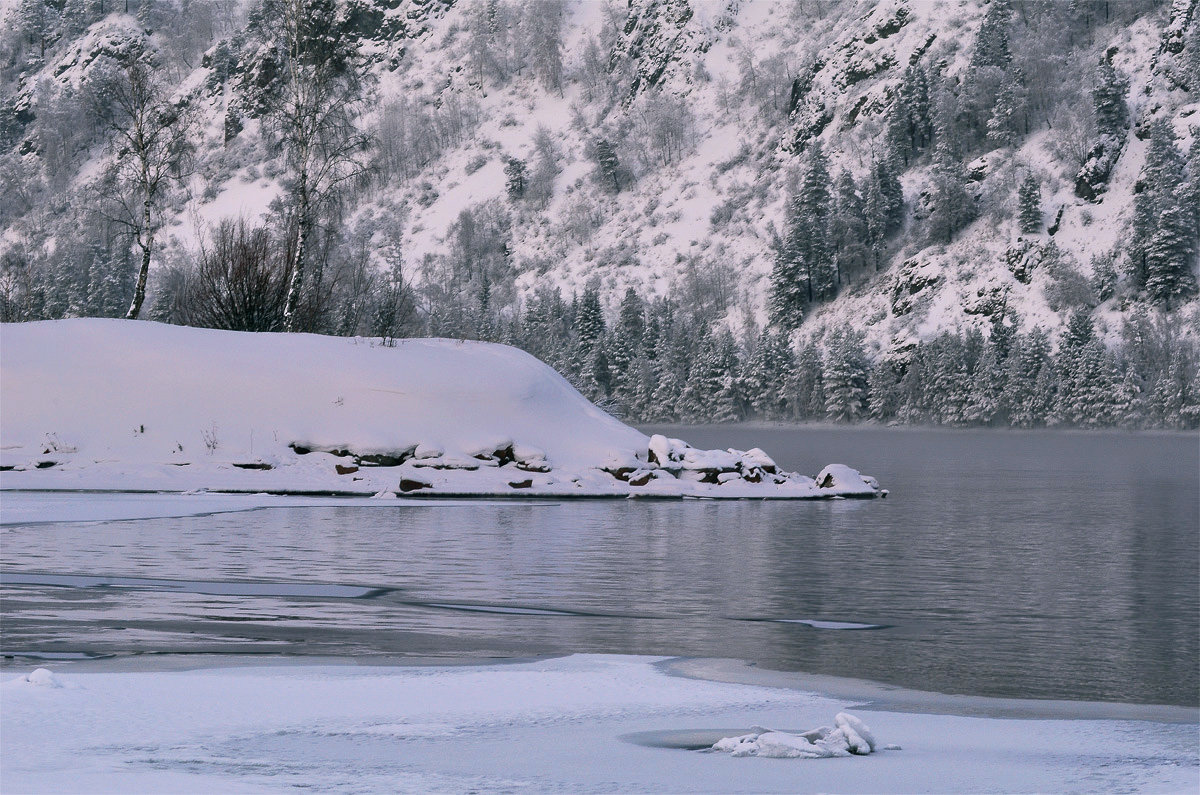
point(849, 737)
point(42, 677)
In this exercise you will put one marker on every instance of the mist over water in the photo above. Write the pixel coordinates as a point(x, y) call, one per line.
point(1046, 565)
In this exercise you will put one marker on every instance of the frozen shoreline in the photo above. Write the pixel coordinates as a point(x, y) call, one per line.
point(583, 722)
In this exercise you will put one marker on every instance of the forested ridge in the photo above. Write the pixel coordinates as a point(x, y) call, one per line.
point(986, 214)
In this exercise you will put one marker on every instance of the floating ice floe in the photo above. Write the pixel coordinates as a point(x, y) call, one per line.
point(848, 737)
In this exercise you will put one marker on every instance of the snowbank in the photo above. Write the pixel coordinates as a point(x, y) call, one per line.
point(114, 405)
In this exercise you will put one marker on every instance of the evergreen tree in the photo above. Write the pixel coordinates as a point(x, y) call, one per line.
point(950, 206)
point(844, 375)
point(1163, 198)
point(808, 386)
point(848, 229)
point(589, 320)
point(909, 119)
point(991, 42)
point(1171, 254)
point(809, 228)
point(1008, 120)
point(1087, 386)
point(626, 348)
point(986, 388)
point(883, 207)
point(1108, 100)
point(514, 178)
point(804, 260)
point(947, 382)
point(766, 375)
point(36, 20)
point(911, 390)
point(883, 390)
point(786, 300)
point(1190, 190)
point(1029, 385)
point(608, 166)
point(1029, 205)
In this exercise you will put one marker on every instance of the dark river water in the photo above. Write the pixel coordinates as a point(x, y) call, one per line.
point(1042, 565)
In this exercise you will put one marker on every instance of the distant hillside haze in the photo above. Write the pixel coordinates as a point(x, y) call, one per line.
point(914, 212)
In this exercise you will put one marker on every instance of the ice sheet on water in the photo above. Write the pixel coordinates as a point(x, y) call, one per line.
point(818, 624)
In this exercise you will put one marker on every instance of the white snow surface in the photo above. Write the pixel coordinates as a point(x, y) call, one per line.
point(563, 725)
point(116, 405)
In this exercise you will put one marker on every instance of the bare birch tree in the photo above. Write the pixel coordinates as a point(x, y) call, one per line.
point(149, 135)
point(313, 116)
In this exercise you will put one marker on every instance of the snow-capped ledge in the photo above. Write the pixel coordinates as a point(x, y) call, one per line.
point(133, 406)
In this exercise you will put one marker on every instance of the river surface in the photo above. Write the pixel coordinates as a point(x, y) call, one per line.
point(1040, 565)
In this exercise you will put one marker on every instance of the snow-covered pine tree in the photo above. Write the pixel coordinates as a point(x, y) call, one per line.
point(1029, 205)
point(729, 401)
point(883, 389)
point(1009, 119)
point(950, 206)
point(807, 384)
point(947, 382)
point(810, 226)
point(608, 167)
point(626, 348)
point(35, 19)
point(1109, 90)
point(787, 296)
point(1029, 383)
point(1088, 383)
point(514, 178)
point(542, 27)
point(1162, 174)
point(589, 319)
point(1171, 254)
point(883, 207)
point(766, 374)
point(986, 389)
point(910, 118)
point(844, 375)
point(848, 229)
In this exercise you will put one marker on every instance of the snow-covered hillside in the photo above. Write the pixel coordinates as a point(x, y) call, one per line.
point(659, 146)
point(114, 405)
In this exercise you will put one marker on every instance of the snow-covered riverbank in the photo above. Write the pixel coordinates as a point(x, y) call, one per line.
point(580, 723)
point(117, 406)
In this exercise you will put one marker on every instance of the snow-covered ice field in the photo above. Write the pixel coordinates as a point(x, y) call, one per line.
point(577, 724)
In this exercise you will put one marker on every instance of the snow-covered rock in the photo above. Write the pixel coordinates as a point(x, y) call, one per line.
point(118, 405)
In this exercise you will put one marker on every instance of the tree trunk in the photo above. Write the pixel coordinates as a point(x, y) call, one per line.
point(139, 292)
point(297, 281)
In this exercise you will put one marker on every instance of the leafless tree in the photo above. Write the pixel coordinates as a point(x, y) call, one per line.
point(240, 281)
point(313, 117)
point(150, 138)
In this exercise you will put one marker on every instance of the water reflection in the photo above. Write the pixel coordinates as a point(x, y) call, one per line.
point(1054, 565)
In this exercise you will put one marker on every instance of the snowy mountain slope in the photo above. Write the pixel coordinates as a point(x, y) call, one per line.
point(709, 109)
point(113, 405)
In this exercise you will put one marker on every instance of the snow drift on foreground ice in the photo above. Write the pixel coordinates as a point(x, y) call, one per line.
point(118, 405)
point(849, 737)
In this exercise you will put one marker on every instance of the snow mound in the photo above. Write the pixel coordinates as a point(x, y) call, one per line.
point(849, 737)
point(116, 405)
point(42, 677)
